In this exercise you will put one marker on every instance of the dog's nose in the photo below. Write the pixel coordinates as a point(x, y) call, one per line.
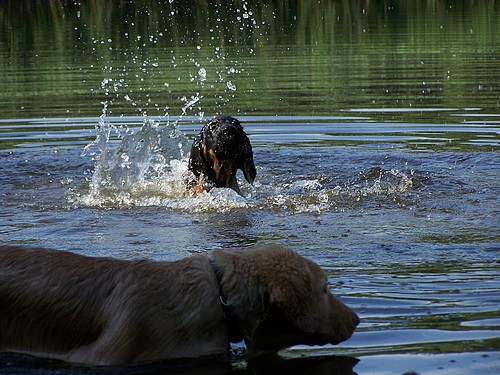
point(229, 130)
point(356, 320)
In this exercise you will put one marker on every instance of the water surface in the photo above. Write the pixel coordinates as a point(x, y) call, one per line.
point(376, 139)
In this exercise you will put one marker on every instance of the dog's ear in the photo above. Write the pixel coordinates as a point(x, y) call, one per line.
point(295, 300)
point(196, 157)
point(245, 162)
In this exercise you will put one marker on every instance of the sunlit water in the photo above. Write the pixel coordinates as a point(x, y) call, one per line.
point(407, 231)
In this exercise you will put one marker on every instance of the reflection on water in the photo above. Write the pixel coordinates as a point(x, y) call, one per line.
point(426, 295)
point(343, 365)
point(153, 57)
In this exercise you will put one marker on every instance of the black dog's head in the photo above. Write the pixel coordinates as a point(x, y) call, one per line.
point(221, 148)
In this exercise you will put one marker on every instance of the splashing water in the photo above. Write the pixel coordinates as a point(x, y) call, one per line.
point(148, 167)
point(312, 196)
point(144, 168)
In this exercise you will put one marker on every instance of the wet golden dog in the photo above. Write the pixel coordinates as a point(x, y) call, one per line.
point(103, 311)
point(221, 148)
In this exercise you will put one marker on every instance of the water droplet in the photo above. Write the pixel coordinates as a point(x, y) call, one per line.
point(203, 74)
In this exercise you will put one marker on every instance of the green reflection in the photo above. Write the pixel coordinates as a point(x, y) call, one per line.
point(60, 59)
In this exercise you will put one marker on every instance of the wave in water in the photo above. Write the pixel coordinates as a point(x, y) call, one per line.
point(149, 167)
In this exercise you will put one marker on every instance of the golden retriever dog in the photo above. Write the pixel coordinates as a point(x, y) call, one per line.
point(104, 311)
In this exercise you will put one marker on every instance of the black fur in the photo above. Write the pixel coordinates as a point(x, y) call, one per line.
point(220, 149)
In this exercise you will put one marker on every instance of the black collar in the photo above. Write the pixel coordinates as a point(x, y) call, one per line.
point(233, 327)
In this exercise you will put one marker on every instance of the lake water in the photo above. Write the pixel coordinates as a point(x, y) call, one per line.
point(376, 136)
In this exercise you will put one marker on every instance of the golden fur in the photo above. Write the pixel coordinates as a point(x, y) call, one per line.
point(103, 311)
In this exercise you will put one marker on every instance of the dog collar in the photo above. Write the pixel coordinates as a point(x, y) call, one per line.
point(233, 327)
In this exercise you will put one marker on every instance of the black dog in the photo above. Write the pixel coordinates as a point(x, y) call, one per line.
point(221, 148)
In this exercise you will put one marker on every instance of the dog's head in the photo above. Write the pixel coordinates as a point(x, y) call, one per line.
point(282, 299)
point(302, 310)
point(221, 148)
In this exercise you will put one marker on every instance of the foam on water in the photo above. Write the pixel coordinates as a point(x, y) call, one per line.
point(311, 196)
point(217, 199)
point(149, 167)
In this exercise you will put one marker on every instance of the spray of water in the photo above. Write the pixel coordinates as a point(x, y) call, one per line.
point(136, 168)
point(148, 166)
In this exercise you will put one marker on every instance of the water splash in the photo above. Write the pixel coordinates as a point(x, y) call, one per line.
point(216, 200)
point(378, 181)
point(312, 196)
point(146, 167)
point(142, 169)
point(149, 167)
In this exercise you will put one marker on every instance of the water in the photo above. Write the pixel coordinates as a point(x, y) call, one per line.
point(376, 143)
point(408, 234)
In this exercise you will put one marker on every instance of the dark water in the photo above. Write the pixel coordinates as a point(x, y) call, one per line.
point(375, 129)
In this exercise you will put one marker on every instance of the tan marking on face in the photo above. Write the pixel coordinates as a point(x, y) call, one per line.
point(205, 150)
point(222, 168)
point(216, 165)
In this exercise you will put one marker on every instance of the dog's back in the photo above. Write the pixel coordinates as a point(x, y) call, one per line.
point(102, 310)
point(38, 292)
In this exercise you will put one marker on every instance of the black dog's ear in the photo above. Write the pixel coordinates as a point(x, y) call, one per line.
point(245, 162)
point(196, 158)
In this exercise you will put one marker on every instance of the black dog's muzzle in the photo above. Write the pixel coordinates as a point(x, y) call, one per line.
point(227, 143)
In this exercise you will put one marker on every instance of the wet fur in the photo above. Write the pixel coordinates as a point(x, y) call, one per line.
point(104, 311)
point(219, 150)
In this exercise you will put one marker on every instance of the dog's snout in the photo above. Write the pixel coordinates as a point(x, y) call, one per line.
point(356, 320)
point(229, 130)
